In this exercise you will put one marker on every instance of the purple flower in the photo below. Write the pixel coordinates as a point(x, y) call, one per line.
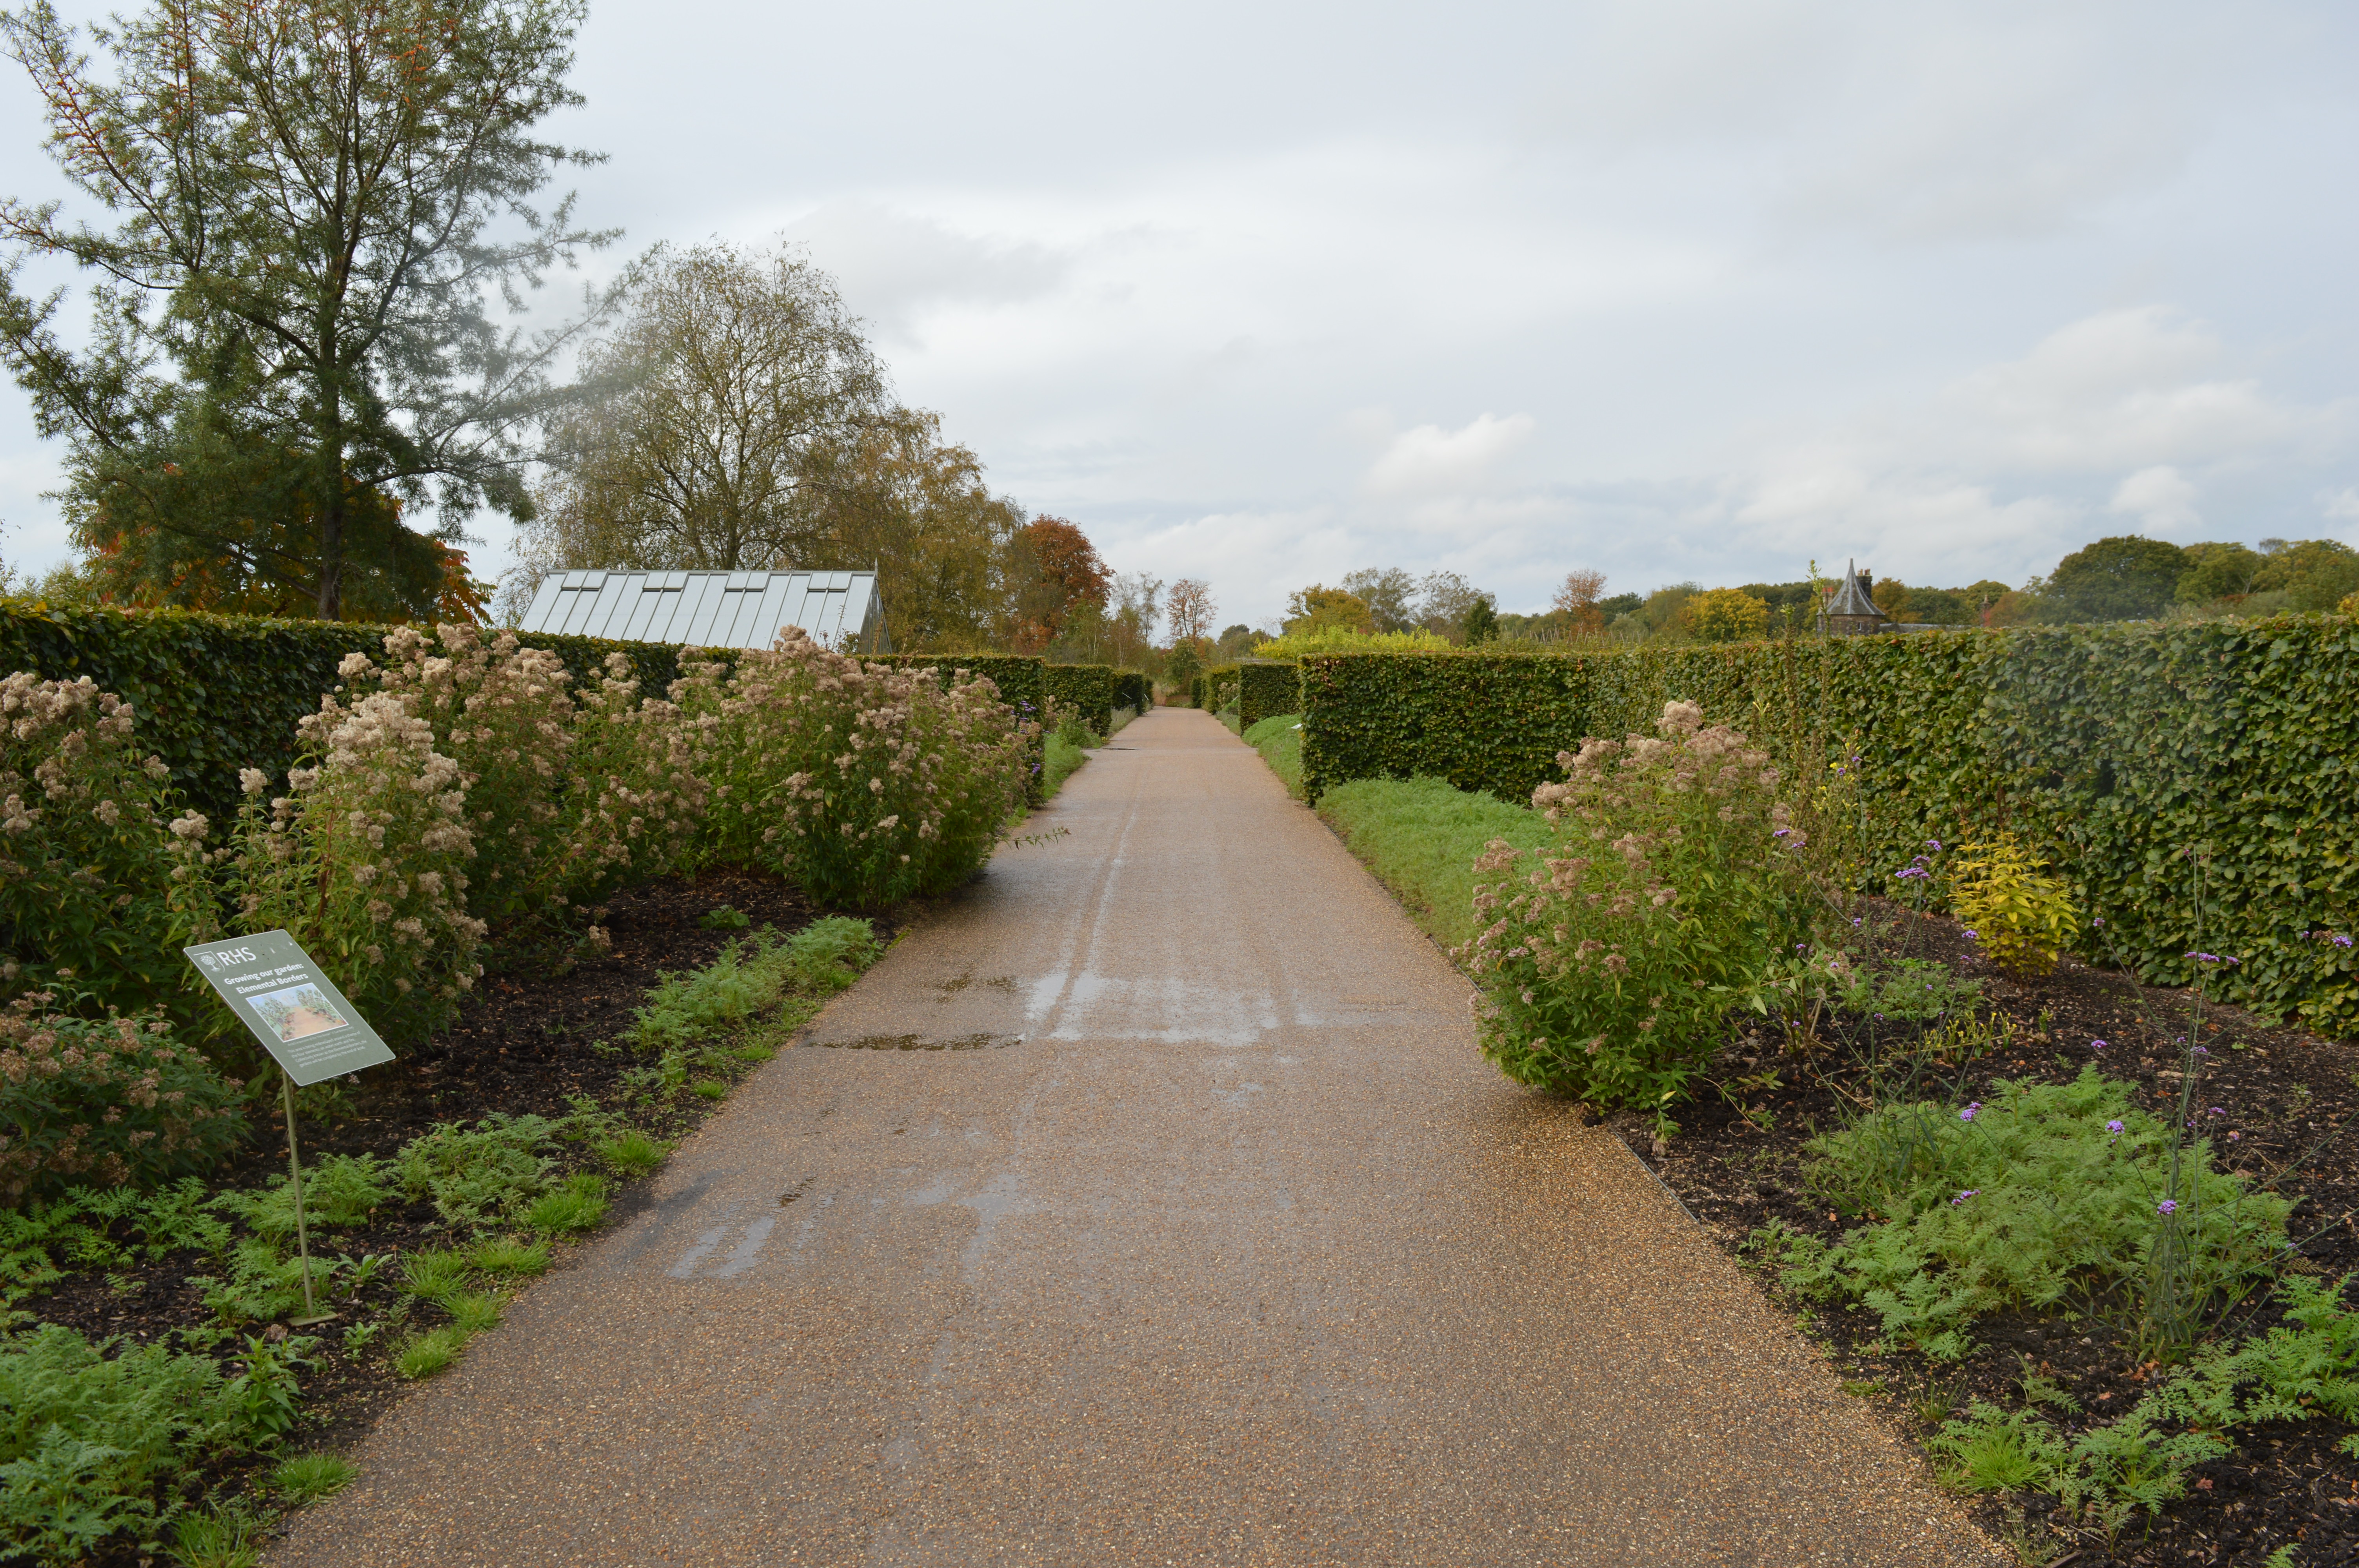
point(1973, 936)
point(1970, 1192)
point(2114, 1128)
point(2096, 1045)
point(1968, 1114)
point(2342, 941)
point(2099, 921)
point(2235, 1137)
point(2215, 1110)
point(1933, 843)
point(2203, 1051)
point(1915, 871)
point(2167, 1205)
point(1781, 833)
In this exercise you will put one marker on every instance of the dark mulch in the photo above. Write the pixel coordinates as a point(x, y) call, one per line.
point(2292, 1098)
point(523, 1044)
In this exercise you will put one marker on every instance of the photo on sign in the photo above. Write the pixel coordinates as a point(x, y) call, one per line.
point(297, 1012)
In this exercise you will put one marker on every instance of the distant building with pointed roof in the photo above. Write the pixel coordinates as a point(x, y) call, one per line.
point(1850, 610)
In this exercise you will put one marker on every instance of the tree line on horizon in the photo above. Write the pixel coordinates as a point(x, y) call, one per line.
point(2123, 578)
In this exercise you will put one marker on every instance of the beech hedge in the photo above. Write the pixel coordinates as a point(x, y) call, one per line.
point(1133, 690)
point(217, 693)
point(1265, 688)
point(2199, 784)
point(1086, 690)
point(1217, 687)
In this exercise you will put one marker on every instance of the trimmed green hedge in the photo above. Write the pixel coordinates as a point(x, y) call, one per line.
point(1219, 688)
point(2121, 750)
point(1483, 721)
point(1265, 688)
point(1086, 690)
point(1133, 690)
point(217, 693)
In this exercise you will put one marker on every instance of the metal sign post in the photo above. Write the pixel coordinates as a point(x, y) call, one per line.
point(308, 1027)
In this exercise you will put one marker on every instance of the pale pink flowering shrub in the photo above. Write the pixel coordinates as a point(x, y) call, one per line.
point(863, 784)
point(103, 1101)
point(569, 795)
point(1608, 958)
point(86, 856)
point(366, 861)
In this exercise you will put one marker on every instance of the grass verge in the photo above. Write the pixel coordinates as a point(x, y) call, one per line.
point(1278, 739)
point(1420, 838)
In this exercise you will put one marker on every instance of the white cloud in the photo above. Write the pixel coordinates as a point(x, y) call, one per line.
point(896, 265)
point(2132, 387)
point(1430, 459)
point(2001, 472)
point(2160, 497)
point(1938, 121)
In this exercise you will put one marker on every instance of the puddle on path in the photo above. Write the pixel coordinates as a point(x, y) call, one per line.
point(921, 1042)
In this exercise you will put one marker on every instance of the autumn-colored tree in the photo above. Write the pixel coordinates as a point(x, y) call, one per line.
point(1319, 607)
point(1053, 568)
point(1138, 603)
point(900, 499)
point(1725, 615)
point(1190, 609)
point(1577, 600)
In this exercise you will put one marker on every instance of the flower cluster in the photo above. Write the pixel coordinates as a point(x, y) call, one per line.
point(863, 784)
point(86, 856)
point(1674, 873)
point(569, 796)
point(366, 861)
point(105, 1101)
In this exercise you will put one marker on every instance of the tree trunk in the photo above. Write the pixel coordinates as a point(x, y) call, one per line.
point(331, 482)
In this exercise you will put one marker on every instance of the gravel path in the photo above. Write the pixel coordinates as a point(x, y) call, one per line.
point(1204, 1237)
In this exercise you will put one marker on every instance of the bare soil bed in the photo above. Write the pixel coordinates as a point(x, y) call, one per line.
point(2292, 1099)
point(525, 1044)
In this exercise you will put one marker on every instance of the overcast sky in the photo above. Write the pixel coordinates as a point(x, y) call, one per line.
point(1676, 289)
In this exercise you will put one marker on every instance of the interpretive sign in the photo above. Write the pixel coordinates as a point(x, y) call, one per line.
point(296, 1012)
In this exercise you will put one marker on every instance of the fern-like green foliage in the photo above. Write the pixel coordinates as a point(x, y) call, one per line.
point(750, 977)
point(109, 1228)
point(2299, 1372)
point(2128, 1463)
point(93, 1435)
point(2307, 1366)
point(339, 1191)
point(2017, 1205)
point(478, 1175)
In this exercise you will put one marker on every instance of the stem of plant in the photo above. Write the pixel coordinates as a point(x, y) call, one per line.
point(294, 1180)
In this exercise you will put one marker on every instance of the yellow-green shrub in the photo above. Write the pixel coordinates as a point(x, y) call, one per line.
point(2022, 916)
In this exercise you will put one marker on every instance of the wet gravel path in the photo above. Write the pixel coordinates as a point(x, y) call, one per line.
point(1203, 1235)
